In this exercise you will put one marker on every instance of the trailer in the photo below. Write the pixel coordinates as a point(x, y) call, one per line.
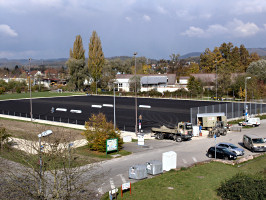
point(209, 120)
point(182, 132)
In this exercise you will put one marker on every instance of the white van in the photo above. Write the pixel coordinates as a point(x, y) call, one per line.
point(254, 142)
point(254, 121)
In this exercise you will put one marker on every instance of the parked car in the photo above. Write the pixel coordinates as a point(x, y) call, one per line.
point(254, 121)
point(254, 142)
point(221, 152)
point(238, 151)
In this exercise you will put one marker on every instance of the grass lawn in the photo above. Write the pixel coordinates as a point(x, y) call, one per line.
point(36, 95)
point(197, 182)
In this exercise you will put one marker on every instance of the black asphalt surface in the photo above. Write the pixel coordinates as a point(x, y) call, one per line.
point(161, 112)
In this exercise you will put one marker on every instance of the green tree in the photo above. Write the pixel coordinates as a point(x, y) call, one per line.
point(258, 69)
point(244, 56)
point(98, 130)
point(224, 79)
point(76, 64)
point(206, 61)
point(194, 86)
point(96, 58)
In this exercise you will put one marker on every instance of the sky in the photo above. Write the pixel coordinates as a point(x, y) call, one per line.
point(43, 29)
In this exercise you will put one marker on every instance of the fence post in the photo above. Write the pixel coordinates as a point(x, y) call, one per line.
point(191, 115)
point(226, 110)
point(232, 109)
point(76, 121)
point(213, 108)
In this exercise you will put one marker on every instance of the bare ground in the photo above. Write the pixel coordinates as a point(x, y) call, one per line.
point(30, 131)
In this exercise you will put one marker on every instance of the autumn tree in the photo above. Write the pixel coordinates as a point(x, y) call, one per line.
point(76, 64)
point(95, 60)
point(98, 130)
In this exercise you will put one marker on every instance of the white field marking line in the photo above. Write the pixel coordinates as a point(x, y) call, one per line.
point(184, 161)
point(61, 109)
point(112, 183)
point(76, 111)
point(100, 190)
point(96, 106)
point(144, 106)
point(122, 178)
point(108, 105)
point(194, 159)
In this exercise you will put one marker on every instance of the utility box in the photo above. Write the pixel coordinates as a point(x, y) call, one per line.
point(195, 131)
point(154, 167)
point(169, 160)
point(208, 120)
point(137, 172)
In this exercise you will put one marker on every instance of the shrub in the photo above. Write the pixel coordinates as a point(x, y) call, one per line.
point(98, 130)
point(243, 186)
point(18, 89)
point(4, 136)
point(2, 90)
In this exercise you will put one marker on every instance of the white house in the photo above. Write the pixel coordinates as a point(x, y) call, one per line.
point(159, 82)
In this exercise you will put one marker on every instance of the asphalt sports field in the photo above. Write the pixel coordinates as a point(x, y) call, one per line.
point(155, 112)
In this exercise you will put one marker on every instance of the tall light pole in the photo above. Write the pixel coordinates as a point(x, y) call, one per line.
point(216, 79)
point(30, 91)
point(246, 109)
point(114, 106)
point(43, 134)
point(136, 103)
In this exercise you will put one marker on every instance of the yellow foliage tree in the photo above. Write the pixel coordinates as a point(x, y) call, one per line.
point(241, 93)
point(98, 130)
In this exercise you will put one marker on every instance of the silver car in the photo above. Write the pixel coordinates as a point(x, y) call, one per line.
point(231, 147)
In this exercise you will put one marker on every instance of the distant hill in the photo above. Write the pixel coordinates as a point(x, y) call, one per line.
point(58, 62)
point(11, 63)
point(259, 51)
point(192, 54)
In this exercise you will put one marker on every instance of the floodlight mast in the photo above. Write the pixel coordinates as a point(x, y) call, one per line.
point(136, 103)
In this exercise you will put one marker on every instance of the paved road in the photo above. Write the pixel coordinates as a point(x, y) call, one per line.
point(115, 171)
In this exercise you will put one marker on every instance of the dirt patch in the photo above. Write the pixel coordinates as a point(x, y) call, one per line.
point(30, 131)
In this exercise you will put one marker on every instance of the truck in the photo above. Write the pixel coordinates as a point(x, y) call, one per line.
point(252, 121)
point(218, 129)
point(183, 131)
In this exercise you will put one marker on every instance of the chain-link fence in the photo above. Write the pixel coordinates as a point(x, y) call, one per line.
point(44, 117)
point(231, 110)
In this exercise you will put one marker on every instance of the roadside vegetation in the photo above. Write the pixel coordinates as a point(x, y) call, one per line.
point(37, 95)
point(198, 182)
point(52, 168)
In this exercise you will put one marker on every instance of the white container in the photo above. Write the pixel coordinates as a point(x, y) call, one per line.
point(137, 172)
point(169, 160)
point(140, 140)
point(154, 167)
point(127, 138)
point(195, 131)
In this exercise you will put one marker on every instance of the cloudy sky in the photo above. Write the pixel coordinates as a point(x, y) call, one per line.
point(44, 29)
